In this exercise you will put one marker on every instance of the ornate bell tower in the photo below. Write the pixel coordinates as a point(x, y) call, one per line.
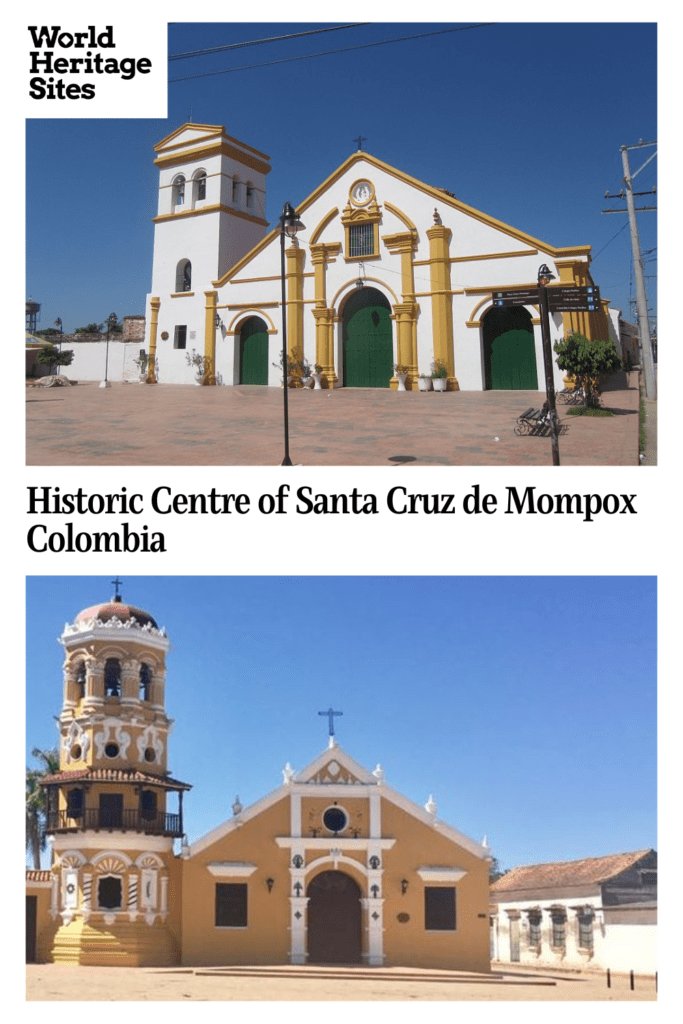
point(115, 874)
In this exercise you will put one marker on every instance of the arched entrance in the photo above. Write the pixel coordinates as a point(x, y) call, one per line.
point(509, 350)
point(334, 919)
point(253, 352)
point(366, 338)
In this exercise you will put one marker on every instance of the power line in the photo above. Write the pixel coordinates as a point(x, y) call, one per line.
point(325, 53)
point(258, 42)
point(610, 241)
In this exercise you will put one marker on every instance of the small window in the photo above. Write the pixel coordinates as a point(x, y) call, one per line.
point(534, 929)
point(183, 276)
point(362, 240)
point(440, 909)
point(559, 929)
point(109, 893)
point(231, 905)
point(179, 190)
point(235, 190)
point(145, 682)
point(148, 805)
point(250, 196)
point(180, 336)
point(112, 750)
point(112, 677)
point(586, 932)
point(74, 805)
point(200, 186)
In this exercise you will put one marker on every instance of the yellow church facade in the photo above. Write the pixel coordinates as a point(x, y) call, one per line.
point(332, 866)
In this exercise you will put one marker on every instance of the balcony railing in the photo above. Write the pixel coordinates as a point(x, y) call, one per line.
point(94, 818)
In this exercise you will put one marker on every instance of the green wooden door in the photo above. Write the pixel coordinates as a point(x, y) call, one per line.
point(368, 351)
point(254, 352)
point(509, 350)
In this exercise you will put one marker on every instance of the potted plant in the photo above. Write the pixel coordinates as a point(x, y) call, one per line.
point(439, 375)
point(202, 366)
point(291, 367)
point(401, 372)
point(305, 370)
point(317, 377)
point(424, 382)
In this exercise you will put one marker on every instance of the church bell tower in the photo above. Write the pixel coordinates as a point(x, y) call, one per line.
point(115, 874)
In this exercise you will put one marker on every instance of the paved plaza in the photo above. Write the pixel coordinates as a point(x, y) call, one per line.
point(177, 424)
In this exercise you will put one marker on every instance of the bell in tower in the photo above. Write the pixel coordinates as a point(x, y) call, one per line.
point(109, 814)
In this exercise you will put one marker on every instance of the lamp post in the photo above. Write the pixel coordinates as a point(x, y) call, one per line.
point(290, 225)
point(58, 323)
point(544, 276)
point(112, 321)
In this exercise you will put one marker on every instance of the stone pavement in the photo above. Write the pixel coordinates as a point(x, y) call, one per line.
point(176, 425)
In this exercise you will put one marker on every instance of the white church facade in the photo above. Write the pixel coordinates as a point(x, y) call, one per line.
point(388, 271)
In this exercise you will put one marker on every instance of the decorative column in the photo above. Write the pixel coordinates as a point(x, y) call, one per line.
point(321, 255)
point(163, 897)
point(405, 244)
point(130, 681)
point(294, 272)
point(154, 304)
point(86, 903)
point(375, 930)
point(442, 297)
point(210, 338)
point(133, 882)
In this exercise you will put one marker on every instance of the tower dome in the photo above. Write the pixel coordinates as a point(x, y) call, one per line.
point(116, 609)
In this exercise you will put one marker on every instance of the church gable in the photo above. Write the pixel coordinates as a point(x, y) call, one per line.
point(189, 135)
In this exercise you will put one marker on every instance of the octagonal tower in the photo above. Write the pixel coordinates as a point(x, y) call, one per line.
point(116, 879)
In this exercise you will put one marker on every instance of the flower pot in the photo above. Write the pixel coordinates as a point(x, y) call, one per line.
point(317, 378)
point(424, 384)
point(440, 383)
point(305, 382)
point(401, 378)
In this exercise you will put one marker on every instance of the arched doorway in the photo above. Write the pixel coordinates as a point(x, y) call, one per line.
point(253, 352)
point(509, 350)
point(366, 337)
point(334, 919)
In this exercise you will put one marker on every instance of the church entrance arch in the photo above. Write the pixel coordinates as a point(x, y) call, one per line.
point(253, 367)
point(368, 353)
point(334, 919)
point(509, 350)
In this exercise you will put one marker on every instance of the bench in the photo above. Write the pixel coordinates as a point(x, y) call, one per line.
point(534, 421)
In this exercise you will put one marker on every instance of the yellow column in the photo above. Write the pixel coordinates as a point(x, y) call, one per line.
point(210, 338)
point(154, 304)
point(405, 243)
point(321, 255)
point(442, 299)
point(295, 304)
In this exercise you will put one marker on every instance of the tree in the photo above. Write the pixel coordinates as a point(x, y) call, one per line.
point(35, 801)
point(90, 329)
point(51, 355)
point(495, 871)
point(586, 360)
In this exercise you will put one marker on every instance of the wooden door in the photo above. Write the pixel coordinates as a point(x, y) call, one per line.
point(334, 919)
point(31, 927)
point(367, 340)
point(254, 352)
point(509, 350)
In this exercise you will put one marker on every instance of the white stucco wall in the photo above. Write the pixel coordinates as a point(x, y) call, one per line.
point(90, 357)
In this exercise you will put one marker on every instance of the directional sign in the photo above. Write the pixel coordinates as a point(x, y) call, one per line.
point(573, 298)
point(516, 297)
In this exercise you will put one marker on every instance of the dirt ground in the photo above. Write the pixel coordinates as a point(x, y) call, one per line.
point(52, 982)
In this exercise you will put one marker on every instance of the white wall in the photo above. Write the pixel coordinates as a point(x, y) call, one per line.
point(90, 357)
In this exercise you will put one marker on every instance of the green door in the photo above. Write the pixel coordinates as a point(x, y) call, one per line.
point(254, 352)
point(509, 350)
point(366, 334)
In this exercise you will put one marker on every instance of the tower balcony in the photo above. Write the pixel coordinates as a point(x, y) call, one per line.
point(97, 819)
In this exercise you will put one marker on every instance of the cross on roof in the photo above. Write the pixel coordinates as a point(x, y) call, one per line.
point(360, 140)
point(117, 583)
point(330, 715)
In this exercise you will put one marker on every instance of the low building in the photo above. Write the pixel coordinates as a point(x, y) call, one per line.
point(600, 912)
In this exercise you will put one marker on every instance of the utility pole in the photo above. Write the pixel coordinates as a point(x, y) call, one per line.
point(641, 298)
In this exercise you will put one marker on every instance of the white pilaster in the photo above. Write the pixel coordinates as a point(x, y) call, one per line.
point(297, 927)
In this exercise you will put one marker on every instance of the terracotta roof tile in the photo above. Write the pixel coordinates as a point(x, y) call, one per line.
point(591, 870)
point(114, 775)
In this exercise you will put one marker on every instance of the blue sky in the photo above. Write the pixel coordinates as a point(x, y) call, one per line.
point(525, 705)
point(522, 121)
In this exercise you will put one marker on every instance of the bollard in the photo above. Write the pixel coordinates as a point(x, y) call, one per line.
point(632, 985)
point(609, 979)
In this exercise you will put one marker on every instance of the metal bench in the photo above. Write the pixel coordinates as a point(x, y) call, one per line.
point(534, 421)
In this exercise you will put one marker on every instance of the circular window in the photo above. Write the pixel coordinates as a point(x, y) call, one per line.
point(76, 752)
point(335, 819)
point(150, 754)
point(112, 750)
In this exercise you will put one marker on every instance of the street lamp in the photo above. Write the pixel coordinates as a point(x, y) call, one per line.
point(112, 321)
point(58, 323)
point(290, 225)
point(545, 275)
